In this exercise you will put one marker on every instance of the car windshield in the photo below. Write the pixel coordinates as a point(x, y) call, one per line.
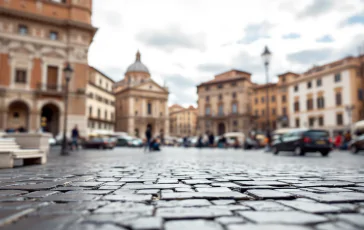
point(317, 134)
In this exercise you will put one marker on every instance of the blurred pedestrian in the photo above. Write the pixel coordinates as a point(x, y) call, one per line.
point(338, 140)
point(268, 140)
point(211, 139)
point(148, 137)
point(75, 136)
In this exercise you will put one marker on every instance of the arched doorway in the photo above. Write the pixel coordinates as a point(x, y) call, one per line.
point(50, 117)
point(18, 116)
point(221, 129)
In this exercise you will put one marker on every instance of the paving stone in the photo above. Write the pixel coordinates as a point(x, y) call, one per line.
point(226, 184)
point(266, 227)
point(325, 184)
point(335, 226)
point(68, 188)
point(40, 194)
point(192, 224)
point(12, 192)
point(236, 178)
point(265, 206)
point(191, 212)
point(129, 180)
point(107, 179)
point(269, 194)
point(355, 219)
point(68, 208)
point(259, 183)
point(330, 190)
point(148, 191)
point(145, 223)
point(288, 217)
point(109, 187)
point(71, 197)
point(167, 181)
point(11, 198)
point(114, 184)
point(8, 216)
point(97, 227)
point(128, 197)
point(87, 184)
point(128, 207)
point(183, 203)
point(227, 220)
point(45, 222)
point(223, 202)
point(155, 186)
point(184, 190)
point(119, 218)
point(312, 207)
point(358, 189)
point(335, 197)
point(198, 181)
point(217, 189)
point(92, 192)
point(30, 187)
point(232, 207)
point(22, 205)
point(205, 195)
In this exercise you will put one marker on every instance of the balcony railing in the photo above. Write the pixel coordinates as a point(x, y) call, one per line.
point(50, 88)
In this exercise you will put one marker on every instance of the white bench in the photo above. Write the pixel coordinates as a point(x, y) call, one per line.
point(10, 151)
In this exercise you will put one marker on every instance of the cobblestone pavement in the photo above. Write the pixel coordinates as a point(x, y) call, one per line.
point(182, 189)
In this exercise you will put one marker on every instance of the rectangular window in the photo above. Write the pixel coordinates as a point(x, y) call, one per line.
point(234, 95)
point(338, 98)
point(105, 115)
point(207, 98)
point(273, 98)
point(284, 99)
point(360, 94)
point(318, 82)
point(256, 100)
point(52, 77)
point(23, 29)
point(309, 85)
point(296, 106)
point(262, 112)
point(220, 86)
point(339, 119)
point(220, 97)
point(53, 35)
point(112, 116)
point(235, 123)
point(233, 84)
point(311, 121)
point(273, 111)
point(98, 113)
point(207, 88)
point(100, 125)
point(21, 76)
point(337, 77)
point(296, 88)
point(235, 108)
point(284, 111)
point(90, 111)
point(297, 122)
point(149, 108)
point(262, 99)
point(310, 104)
point(256, 112)
point(221, 110)
point(321, 121)
point(207, 111)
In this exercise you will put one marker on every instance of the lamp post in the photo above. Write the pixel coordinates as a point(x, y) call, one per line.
point(349, 109)
point(266, 56)
point(68, 73)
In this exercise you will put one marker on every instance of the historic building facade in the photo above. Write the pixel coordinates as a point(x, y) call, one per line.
point(141, 102)
point(100, 103)
point(183, 121)
point(328, 96)
point(224, 103)
point(37, 39)
point(278, 97)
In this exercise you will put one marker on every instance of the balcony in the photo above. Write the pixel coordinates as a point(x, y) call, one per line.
point(50, 89)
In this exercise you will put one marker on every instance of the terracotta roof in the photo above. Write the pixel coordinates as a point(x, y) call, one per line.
point(221, 80)
point(264, 85)
point(286, 73)
point(240, 71)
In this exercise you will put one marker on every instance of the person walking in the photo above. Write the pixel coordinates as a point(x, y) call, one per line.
point(211, 140)
point(75, 136)
point(148, 137)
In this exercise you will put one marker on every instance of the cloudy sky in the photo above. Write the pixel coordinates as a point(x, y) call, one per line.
point(186, 42)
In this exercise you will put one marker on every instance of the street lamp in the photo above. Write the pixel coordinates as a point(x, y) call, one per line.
point(349, 109)
point(266, 56)
point(68, 73)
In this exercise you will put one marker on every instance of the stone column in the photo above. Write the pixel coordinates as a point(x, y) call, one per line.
point(131, 106)
point(144, 107)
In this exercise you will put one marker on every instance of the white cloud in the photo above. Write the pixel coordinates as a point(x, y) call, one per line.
point(195, 38)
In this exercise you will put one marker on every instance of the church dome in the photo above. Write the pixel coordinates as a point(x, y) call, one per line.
point(137, 66)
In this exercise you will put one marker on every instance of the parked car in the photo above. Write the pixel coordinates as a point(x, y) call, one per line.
point(113, 141)
point(127, 141)
point(250, 143)
point(357, 143)
point(301, 141)
point(98, 143)
point(52, 141)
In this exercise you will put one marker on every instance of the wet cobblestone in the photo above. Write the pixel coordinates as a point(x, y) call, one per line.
point(185, 189)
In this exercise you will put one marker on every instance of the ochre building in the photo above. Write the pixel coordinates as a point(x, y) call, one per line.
point(224, 103)
point(183, 121)
point(141, 102)
point(37, 39)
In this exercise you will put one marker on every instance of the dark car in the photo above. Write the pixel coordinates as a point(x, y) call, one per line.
point(301, 141)
point(357, 144)
point(98, 143)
